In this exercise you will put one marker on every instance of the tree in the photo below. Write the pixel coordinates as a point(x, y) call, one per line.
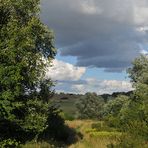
point(89, 107)
point(135, 114)
point(139, 76)
point(113, 108)
point(26, 48)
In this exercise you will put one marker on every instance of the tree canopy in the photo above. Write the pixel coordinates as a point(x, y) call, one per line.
point(90, 106)
point(26, 48)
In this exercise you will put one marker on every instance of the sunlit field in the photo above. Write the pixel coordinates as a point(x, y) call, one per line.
point(91, 137)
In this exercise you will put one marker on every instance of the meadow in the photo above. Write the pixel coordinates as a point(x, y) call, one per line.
point(92, 137)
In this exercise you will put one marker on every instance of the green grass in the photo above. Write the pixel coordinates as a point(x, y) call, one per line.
point(67, 106)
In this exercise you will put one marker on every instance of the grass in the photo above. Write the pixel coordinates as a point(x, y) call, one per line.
point(105, 134)
point(92, 138)
point(38, 145)
point(67, 106)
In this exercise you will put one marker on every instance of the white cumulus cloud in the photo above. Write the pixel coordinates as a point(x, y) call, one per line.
point(64, 71)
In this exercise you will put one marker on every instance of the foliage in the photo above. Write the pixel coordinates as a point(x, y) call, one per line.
point(26, 48)
point(130, 114)
point(90, 106)
point(56, 129)
point(9, 143)
point(129, 141)
point(113, 107)
point(133, 115)
point(112, 110)
point(138, 72)
point(137, 111)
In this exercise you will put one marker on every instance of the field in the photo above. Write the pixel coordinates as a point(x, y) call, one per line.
point(67, 103)
point(91, 137)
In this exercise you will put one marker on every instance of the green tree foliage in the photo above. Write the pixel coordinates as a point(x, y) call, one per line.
point(113, 107)
point(137, 110)
point(26, 48)
point(133, 115)
point(90, 106)
point(112, 110)
point(57, 130)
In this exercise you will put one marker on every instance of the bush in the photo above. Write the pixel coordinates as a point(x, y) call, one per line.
point(56, 129)
point(129, 141)
point(112, 121)
point(9, 143)
point(11, 131)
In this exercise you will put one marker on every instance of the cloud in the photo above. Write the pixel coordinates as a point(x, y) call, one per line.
point(94, 85)
point(89, 7)
point(69, 79)
point(64, 71)
point(104, 34)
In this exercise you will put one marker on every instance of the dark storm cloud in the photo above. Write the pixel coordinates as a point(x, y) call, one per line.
point(100, 33)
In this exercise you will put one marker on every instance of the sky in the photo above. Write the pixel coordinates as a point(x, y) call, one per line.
point(96, 41)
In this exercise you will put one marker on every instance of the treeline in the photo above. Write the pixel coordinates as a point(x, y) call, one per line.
point(71, 96)
point(74, 104)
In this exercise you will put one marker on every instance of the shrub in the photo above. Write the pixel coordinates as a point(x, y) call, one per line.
point(56, 129)
point(112, 121)
point(9, 143)
point(130, 141)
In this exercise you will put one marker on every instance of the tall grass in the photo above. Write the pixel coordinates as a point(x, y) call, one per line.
point(93, 138)
point(93, 135)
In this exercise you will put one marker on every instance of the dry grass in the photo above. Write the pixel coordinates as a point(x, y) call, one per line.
point(38, 145)
point(89, 141)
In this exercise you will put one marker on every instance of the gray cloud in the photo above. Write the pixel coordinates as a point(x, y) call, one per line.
point(100, 33)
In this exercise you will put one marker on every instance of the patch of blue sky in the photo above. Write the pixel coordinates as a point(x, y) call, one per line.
point(67, 59)
point(96, 73)
point(100, 74)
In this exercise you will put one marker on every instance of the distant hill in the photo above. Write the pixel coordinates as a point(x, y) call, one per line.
point(106, 97)
point(67, 102)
